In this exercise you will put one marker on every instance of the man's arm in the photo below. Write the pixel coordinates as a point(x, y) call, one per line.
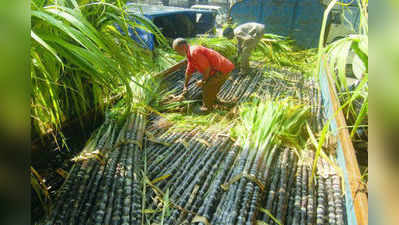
point(187, 79)
point(205, 77)
point(189, 71)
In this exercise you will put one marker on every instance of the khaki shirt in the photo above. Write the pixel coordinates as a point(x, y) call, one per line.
point(249, 31)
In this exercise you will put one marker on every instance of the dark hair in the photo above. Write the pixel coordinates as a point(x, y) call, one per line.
point(178, 42)
point(228, 31)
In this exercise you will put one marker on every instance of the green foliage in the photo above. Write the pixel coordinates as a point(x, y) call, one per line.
point(217, 121)
point(80, 61)
point(267, 123)
point(281, 52)
point(227, 48)
point(338, 54)
point(354, 49)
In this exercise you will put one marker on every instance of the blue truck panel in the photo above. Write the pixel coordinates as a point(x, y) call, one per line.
point(299, 19)
point(147, 40)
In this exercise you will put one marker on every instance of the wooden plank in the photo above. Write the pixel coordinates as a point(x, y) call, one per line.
point(171, 69)
point(360, 200)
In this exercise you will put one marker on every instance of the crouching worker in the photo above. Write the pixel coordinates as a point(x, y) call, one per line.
point(248, 36)
point(215, 70)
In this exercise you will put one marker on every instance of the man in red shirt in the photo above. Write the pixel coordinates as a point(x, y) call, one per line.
point(215, 70)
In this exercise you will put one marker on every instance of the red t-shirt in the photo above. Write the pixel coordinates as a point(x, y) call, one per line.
point(200, 58)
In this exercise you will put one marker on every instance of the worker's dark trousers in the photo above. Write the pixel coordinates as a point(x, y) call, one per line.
point(211, 88)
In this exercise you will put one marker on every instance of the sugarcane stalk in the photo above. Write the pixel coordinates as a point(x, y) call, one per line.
point(321, 202)
point(266, 161)
point(154, 148)
point(183, 162)
point(107, 185)
point(121, 204)
point(244, 87)
point(330, 198)
point(189, 161)
point(247, 198)
point(220, 217)
point(185, 189)
point(206, 186)
point(251, 88)
point(93, 188)
point(70, 184)
point(215, 190)
point(291, 204)
point(304, 200)
point(310, 220)
point(136, 215)
point(250, 200)
point(193, 171)
point(239, 189)
point(273, 188)
point(87, 177)
point(211, 164)
point(241, 84)
point(282, 191)
point(298, 191)
point(127, 190)
point(291, 189)
point(175, 152)
point(78, 198)
point(113, 209)
point(338, 200)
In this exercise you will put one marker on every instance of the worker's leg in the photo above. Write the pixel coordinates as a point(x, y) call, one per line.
point(223, 78)
point(211, 88)
point(244, 59)
point(219, 101)
point(246, 53)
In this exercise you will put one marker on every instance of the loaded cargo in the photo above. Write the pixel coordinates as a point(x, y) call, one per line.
point(280, 151)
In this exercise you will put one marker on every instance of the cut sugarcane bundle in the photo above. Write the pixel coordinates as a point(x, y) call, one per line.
point(207, 184)
point(196, 148)
point(226, 204)
point(184, 195)
point(273, 188)
point(211, 201)
point(207, 179)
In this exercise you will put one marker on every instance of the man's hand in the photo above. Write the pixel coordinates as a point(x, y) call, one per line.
point(200, 83)
point(182, 96)
point(185, 90)
point(179, 98)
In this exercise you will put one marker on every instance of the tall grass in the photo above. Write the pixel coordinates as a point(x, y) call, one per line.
point(267, 123)
point(227, 48)
point(80, 61)
point(338, 54)
point(282, 52)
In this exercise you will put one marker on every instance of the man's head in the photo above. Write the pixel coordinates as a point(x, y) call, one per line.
point(228, 33)
point(180, 45)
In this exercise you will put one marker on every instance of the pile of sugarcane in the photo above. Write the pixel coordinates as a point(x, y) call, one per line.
point(139, 174)
point(208, 178)
point(103, 184)
point(213, 180)
point(268, 83)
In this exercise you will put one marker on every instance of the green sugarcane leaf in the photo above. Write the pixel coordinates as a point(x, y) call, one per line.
point(361, 116)
point(46, 46)
point(271, 216)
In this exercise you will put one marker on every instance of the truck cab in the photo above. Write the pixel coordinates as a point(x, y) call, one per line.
point(173, 22)
point(221, 15)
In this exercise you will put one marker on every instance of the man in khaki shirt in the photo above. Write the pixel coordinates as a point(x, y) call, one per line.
point(248, 35)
